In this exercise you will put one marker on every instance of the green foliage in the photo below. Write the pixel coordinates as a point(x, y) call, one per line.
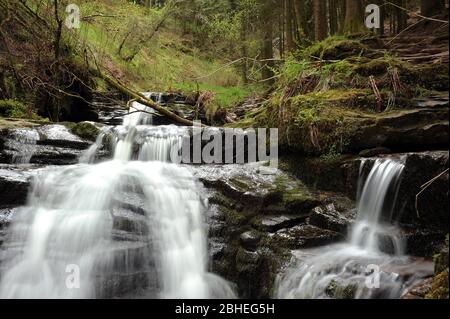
point(16, 109)
point(171, 56)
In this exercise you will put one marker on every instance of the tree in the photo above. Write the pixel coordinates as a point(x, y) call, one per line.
point(301, 20)
point(266, 20)
point(320, 19)
point(354, 17)
point(430, 8)
point(333, 15)
point(289, 29)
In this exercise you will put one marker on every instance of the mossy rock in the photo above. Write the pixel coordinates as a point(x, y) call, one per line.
point(439, 288)
point(374, 67)
point(337, 48)
point(86, 130)
point(338, 291)
point(232, 217)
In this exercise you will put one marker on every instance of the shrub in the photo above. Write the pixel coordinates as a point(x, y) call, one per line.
point(13, 108)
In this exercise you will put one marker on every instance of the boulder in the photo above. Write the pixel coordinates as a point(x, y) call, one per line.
point(274, 223)
point(374, 152)
point(330, 218)
point(14, 185)
point(306, 236)
point(250, 240)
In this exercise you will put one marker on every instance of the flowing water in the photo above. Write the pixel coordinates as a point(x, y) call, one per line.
point(100, 230)
point(371, 263)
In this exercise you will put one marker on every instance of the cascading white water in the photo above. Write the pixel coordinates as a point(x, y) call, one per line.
point(79, 230)
point(375, 205)
point(342, 270)
point(24, 140)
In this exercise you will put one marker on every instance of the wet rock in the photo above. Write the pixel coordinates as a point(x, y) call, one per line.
point(410, 128)
point(216, 249)
point(330, 218)
point(305, 236)
point(48, 144)
point(255, 272)
point(374, 152)
point(342, 174)
point(59, 135)
point(432, 203)
point(275, 223)
point(250, 240)
point(422, 241)
point(6, 215)
point(420, 290)
point(246, 187)
point(129, 221)
point(14, 184)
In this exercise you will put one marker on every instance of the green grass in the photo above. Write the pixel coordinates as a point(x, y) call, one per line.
point(167, 60)
point(225, 97)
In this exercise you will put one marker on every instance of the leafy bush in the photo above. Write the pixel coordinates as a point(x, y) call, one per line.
point(13, 108)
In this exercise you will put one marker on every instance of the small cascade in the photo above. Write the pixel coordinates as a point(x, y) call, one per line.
point(132, 225)
point(347, 270)
point(24, 141)
point(140, 114)
point(88, 157)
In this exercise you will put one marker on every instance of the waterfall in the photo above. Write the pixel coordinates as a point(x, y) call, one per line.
point(24, 141)
point(135, 222)
point(346, 270)
point(375, 205)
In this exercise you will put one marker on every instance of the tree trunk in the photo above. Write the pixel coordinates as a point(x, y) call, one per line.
point(354, 17)
point(333, 15)
point(289, 28)
point(58, 30)
point(320, 20)
point(302, 24)
point(267, 45)
point(431, 8)
point(400, 16)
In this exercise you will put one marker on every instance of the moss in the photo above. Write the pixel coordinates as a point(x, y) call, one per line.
point(318, 122)
point(85, 130)
point(221, 200)
point(374, 67)
point(337, 291)
point(336, 48)
point(439, 288)
point(232, 217)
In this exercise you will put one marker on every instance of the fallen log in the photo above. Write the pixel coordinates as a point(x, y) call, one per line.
point(140, 98)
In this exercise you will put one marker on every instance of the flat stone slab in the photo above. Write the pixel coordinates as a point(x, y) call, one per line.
point(275, 223)
point(306, 236)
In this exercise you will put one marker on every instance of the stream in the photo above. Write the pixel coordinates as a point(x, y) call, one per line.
point(135, 225)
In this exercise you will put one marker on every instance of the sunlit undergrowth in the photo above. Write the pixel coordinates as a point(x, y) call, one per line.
point(137, 48)
point(16, 109)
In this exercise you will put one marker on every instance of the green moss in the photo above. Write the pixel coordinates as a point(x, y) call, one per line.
point(374, 67)
point(85, 130)
point(439, 288)
point(222, 200)
point(337, 291)
point(232, 217)
point(336, 48)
